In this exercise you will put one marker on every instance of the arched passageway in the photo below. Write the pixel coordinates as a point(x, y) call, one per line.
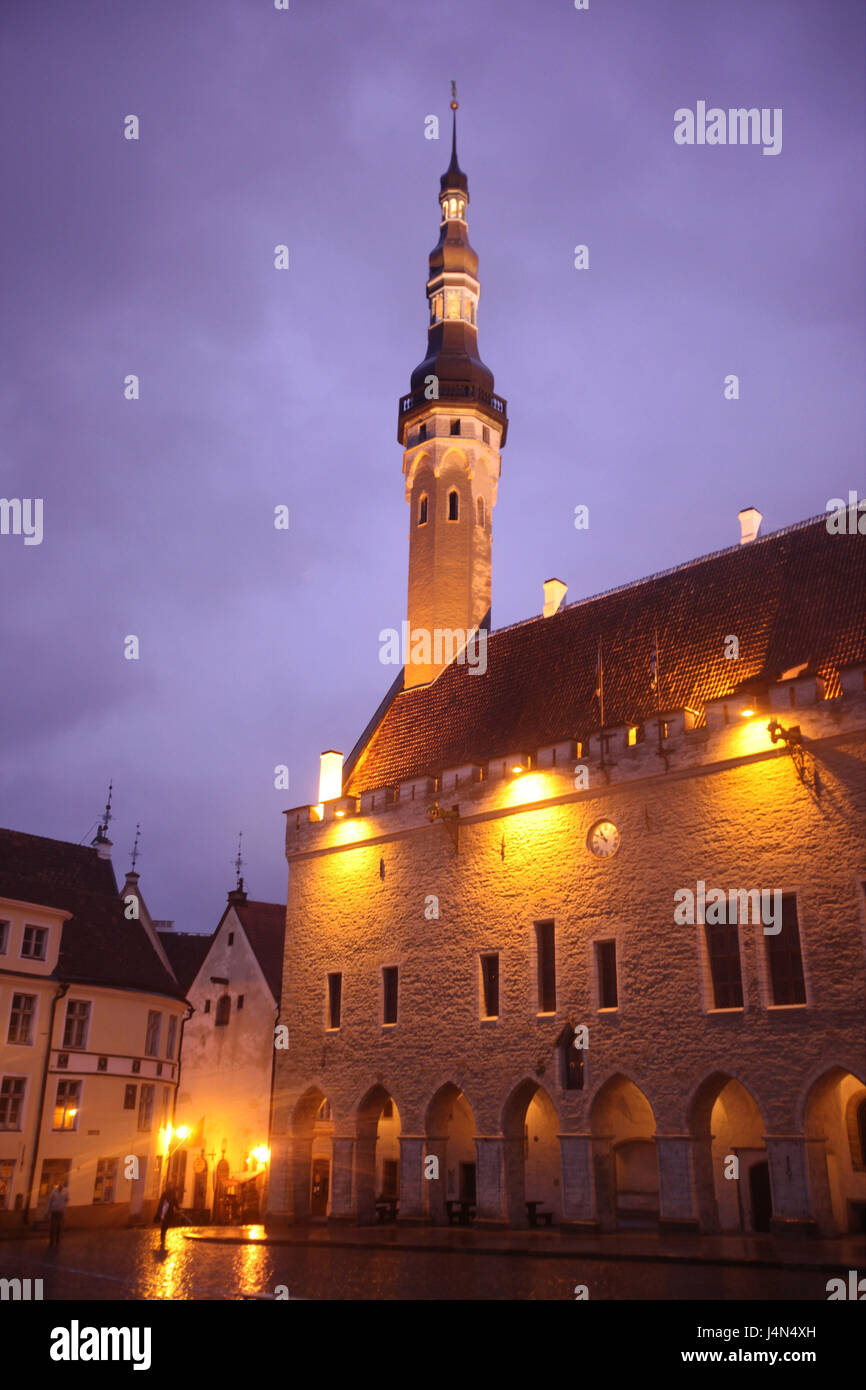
point(626, 1164)
point(732, 1180)
point(312, 1155)
point(835, 1113)
point(533, 1164)
point(377, 1156)
point(450, 1129)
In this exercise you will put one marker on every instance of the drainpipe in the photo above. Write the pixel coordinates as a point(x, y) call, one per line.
point(25, 1216)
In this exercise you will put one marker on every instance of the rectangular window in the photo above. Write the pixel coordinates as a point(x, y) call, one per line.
point(11, 1101)
point(77, 1023)
point(172, 1037)
point(145, 1107)
point(240, 1001)
point(455, 426)
point(723, 951)
point(207, 1006)
point(67, 1105)
point(129, 1094)
point(21, 1018)
point(485, 434)
point(106, 1180)
point(784, 957)
point(490, 985)
point(4, 938)
point(389, 994)
point(154, 1026)
point(605, 958)
point(335, 999)
point(546, 951)
point(34, 943)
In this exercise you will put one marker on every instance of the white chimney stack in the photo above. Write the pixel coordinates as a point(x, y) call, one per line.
point(330, 775)
point(750, 524)
point(554, 592)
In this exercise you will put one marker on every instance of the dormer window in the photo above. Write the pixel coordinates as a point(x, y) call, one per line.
point(422, 509)
point(453, 506)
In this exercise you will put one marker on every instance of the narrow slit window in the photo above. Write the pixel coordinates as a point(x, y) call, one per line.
point(453, 506)
point(422, 509)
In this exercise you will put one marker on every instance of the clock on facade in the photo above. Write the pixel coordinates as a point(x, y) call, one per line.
point(603, 839)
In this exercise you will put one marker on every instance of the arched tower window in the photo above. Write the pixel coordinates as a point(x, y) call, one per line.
point(422, 509)
point(223, 1010)
point(453, 506)
point(480, 510)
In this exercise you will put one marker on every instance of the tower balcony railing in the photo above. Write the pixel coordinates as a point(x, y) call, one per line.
point(455, 390)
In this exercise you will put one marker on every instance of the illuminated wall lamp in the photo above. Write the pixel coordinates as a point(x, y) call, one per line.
point(517, 764)
point(340, 808)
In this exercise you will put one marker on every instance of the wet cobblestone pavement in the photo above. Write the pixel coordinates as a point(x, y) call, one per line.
point(126, 1264)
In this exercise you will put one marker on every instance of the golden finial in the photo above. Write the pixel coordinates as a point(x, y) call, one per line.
point(454, 101)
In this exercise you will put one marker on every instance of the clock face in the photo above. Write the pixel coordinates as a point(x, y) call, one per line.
point(603, 839)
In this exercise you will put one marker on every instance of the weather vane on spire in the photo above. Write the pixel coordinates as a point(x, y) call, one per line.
point(239, 863)
point(135, 847)
point(454, 101)
point(106, 817)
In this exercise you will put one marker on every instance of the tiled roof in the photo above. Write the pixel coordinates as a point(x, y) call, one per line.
point(793, 596)
point(186, 951)
point(98, 945)
point(265, 926)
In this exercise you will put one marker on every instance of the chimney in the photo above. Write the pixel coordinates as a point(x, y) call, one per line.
point(554, 592)
point(101, 843)
point(330, 775)
point(750, 524)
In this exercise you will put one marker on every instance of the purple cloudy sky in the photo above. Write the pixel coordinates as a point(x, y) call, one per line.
point(261, 387)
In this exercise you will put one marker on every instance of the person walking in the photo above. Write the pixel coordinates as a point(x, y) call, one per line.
point(165, 1213)
point(56, 1210)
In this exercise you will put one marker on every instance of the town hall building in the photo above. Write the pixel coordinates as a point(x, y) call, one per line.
point(576, 932)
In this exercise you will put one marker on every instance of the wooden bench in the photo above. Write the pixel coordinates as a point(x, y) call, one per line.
point(460, 1211)
point(537, 1211)
point(386, 1209)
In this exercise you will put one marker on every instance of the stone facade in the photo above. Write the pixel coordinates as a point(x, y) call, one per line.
point(684, 1115)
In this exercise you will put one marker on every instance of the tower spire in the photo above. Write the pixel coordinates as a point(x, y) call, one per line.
point(134, 855)
point(451, 481)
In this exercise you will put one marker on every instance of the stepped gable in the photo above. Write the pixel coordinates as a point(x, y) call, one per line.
point(793, 596)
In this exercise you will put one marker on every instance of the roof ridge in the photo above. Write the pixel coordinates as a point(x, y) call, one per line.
point(662, 574)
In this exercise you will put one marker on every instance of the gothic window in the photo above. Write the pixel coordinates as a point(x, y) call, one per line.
point(723, 950)
point(480, 509)
point(422, 433)
point(223, 1010)
point(453, 302)
point(546, 954)
point(785, 959)
point(422, 509)
point(490, 985)
point(605, 961)
point(453, 506)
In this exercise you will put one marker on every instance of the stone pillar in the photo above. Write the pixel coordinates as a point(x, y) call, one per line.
point(704, 1177)
point(437, 1188)
point(301, 1156)
point(514, 1165)
point(412, 1181)
point(489, 1181)
point(278, 1213)
point(342, 1179)
point(604, 1181)
point(677, 1211)
point(819, 1187)
point(365, 1179)
point(789, 1184)
point(578, 1192)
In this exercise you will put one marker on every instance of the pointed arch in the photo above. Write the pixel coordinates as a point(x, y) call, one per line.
point(533, 1161)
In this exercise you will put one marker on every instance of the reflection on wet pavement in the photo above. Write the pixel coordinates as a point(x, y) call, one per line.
point(127, 1264)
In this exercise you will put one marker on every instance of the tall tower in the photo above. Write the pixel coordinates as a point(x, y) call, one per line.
point(452, 427)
